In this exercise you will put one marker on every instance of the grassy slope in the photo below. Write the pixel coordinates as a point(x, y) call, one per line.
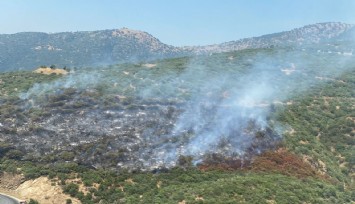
point(323, 135)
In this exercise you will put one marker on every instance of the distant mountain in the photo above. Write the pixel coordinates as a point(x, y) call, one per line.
point(31, 49)
point(309, 34)
point(91, 48)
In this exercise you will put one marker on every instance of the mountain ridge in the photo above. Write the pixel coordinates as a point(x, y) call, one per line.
point(277, 38)
point(83, 48)
point(27, 50)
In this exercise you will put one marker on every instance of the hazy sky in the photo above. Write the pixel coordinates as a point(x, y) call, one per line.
point(175, 22)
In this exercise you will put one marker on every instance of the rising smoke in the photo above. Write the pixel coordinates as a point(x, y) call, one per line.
point(230, 102)
point(225, 100)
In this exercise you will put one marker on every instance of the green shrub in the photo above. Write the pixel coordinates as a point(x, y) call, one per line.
point(72, 189)
point(32, 201)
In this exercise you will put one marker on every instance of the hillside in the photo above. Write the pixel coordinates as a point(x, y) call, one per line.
point(77, 49)
point(25, 51)
point(265, 125)
point(311, 34)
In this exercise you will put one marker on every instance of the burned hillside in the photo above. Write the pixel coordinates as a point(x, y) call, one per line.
point(134, 116)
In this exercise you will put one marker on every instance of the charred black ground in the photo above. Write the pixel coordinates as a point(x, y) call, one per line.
point(255, 126)
point(131, 134)
point(145, 116)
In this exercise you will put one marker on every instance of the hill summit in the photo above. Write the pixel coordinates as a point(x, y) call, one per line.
point(27, 50)
point(86, 48)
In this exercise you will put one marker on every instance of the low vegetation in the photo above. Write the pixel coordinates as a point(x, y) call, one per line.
point(312, 163)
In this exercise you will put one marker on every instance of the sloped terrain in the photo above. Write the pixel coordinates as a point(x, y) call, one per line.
point(23, 51)
point(256, 126)
point(311, 34)
point(27, 50)
point(43, 191)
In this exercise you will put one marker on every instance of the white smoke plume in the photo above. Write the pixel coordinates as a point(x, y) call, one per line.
point(226, 99)
point(229, 104)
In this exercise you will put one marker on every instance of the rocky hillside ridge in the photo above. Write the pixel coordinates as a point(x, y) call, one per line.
point(86, 48)
point(92, 48)
point(309, 34)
